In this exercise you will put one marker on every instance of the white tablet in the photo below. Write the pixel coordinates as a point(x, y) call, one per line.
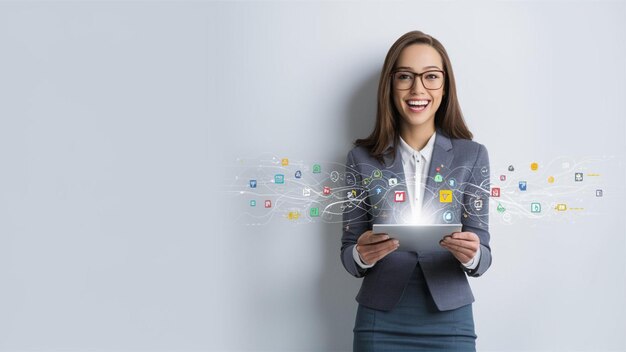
point(418, 238)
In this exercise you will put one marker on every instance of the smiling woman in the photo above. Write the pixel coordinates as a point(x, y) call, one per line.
point(410, 301)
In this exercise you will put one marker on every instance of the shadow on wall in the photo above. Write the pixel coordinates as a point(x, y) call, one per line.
point(337, 288)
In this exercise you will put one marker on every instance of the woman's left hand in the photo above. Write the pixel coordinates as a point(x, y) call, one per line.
point(463, 245)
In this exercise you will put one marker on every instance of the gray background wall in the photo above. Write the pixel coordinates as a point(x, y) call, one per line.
point(120, 127)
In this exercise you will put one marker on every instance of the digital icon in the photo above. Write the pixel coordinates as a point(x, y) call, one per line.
point(252, 183)
point(452, 182)
point(438, 178)
point(279, 179)
point(437, 169)
point(578, 177)
point(326, 190)
point(314, 212)
point(306, 192)
point(561, 207)
point(445, 196)
point(500, 208)
point(317, 168)
point(253, 203)
point(484, 171)
point(352, 194)
point(393, 181)
point(535, 208)
point(293, 215)
point(378, 173)
point(534, 166)
point(334, 176)
point(399, 196)
point(268, 203)
point(502, 177)
point(447, 216)
point(366, 181)
point(298, 174)
point(284, 162)
point(478, 204)
point(522, 185)
point(378, 190)
point(495, 192)
point(350, 180)
point(598, 193)
point(550, 179)
point(511, 168)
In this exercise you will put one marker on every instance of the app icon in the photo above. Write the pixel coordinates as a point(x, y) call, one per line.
point(500, 208)
point(399, 196)
point(550, 179)
point(298, 174)
point(366, 181)
point(511, 168)
point(284, 162)
point(578, 177)
point(279, 179)
point(293, 215)
point(598, 193)
point(378, 173)
point(253, 203)
point(350, 180)
point(484, 171)
point(268, 203)
point(252, 183)
point(326, 190)
point(447, 216)
point(452, 182)
point(334, 176)
point(534, 166)
point(378, 190)
point(352, 194)
point(438, 178)
point(561, 207)
point(535, 208)
point(317, 168)
point(495, 192)
point(445, 196)
point(478, 204)
point(522, 185)
point(314, 212)
point(393, 181)
point(502, 177)
point(306, 192)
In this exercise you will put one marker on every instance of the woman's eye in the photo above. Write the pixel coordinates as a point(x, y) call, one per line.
point(432, 76)
point(403, 76)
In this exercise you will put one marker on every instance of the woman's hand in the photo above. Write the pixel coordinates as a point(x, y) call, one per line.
point(372, 247)
point(463, 245)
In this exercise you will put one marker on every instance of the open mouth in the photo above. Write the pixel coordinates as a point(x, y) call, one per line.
point(417, 105)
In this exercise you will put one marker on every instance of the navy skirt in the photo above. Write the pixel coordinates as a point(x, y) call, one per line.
point(414, 324)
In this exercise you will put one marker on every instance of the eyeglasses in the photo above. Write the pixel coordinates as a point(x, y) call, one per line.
point(404, 80)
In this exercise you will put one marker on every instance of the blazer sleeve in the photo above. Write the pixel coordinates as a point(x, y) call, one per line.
point(356, 217)
point(478, 188)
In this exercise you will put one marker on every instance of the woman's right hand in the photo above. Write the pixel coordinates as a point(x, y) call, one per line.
point(373, 247)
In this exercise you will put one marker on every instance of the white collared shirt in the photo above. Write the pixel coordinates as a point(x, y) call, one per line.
point(416, 165)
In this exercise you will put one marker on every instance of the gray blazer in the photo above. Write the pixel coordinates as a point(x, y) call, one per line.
point(464, 169)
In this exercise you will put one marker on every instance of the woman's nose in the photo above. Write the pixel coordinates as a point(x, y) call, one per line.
point(417, 86)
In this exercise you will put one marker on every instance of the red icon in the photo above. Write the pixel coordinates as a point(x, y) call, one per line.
point(502, 177)
point(326, 190)
point(437, 169)
point(268, 203)
point(495, 192)
point(399, 196)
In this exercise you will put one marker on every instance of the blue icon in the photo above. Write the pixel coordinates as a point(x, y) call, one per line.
point(522, 185)
point(378, 190)
point(252, 183)
point(447, 216)
point(253, 203)
point(298, 174)
point(452, 182)
point(279, 178)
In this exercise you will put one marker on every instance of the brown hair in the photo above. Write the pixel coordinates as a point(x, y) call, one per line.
point(448, 117)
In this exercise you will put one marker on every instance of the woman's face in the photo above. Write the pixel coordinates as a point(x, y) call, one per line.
point(418, 58)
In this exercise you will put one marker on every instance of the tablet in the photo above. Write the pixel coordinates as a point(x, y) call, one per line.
point(418, 238)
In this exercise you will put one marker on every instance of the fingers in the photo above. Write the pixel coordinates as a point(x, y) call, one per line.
point(373, 253)
point(368, 237)
point(469, 236)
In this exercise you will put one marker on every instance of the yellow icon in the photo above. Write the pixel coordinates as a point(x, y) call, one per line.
point(551, 179)
point(445, 196)
point(284, 162)
point(561, 207)
point(293, 215)
point(534, 166)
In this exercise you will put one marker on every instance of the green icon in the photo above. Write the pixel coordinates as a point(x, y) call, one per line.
point(438, 178)
point(366, 181)
point(315, 212)
point(378, 174)
point(317, 168)
point(535, 207)
point(253, 203)
point(500, 208)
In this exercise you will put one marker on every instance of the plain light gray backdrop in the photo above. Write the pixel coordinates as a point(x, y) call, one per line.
point(120, 121)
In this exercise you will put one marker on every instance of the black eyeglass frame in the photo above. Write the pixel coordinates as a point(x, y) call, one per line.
point(421, 77)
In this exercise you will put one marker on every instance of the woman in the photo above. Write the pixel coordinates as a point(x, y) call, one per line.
point(420, 150)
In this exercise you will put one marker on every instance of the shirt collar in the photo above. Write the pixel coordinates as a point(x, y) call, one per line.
point(407, 151)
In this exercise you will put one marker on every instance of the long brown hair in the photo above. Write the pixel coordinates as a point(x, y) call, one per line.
point(448, 117)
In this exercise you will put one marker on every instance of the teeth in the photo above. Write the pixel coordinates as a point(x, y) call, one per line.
point(418, 102)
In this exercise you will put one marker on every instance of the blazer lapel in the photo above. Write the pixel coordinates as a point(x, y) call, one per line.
point(442, 159)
